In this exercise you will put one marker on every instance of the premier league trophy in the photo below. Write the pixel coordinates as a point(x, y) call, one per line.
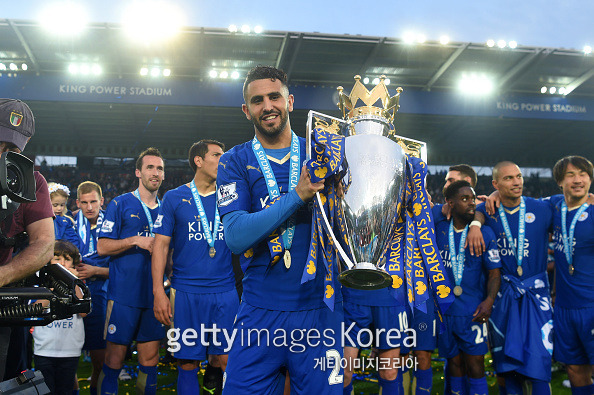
point(374, 209)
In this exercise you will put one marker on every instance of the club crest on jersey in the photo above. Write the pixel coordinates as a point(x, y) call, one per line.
point(226, 194)
point(530, 218)
point(107, 226)
point(16, 119)
point(583, 217)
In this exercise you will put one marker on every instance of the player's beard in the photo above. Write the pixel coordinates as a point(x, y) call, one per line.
point(149, 186)
point(274, 131)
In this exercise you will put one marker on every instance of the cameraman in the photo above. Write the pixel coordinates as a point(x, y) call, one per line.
point(17, 126)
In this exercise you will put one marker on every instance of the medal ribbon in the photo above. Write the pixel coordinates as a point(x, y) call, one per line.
point(568, 239)
point(457, 259)
point(84, 230)
point(272, 185)
point(210, 236)
point(521, 230)
point(147, 212)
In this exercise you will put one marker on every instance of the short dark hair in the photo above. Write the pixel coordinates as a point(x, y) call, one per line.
point(499, 165)
point(200, 149)
point(151, 151)
point(261, 73)
point(580, 162)
point(466, 170)
point(452, 190)
point(66, 248)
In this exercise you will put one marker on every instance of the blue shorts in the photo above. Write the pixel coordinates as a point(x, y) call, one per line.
point(426, 327)
point(574, 335)
point(95, 322)
point(194, 311)
point(379, 319)
point(462, 334)
point(307, 343)
point(124, 324)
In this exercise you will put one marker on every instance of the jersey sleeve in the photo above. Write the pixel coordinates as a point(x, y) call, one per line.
point(111, 226)
point(71, 235)
point(165, 223)
point(491, 258)
point(233, 191)
point(437, 214)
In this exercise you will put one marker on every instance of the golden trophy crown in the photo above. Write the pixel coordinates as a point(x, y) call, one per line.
point(369, 98)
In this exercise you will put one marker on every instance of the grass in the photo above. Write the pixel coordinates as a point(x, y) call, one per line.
point(365, 382)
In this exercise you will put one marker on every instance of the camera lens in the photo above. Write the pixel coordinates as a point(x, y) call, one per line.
point(13, 178)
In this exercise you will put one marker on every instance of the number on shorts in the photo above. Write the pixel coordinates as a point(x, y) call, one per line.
point(403, 319)
point(335, 377)
point(481, 334)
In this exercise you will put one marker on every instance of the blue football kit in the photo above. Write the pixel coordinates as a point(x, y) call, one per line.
point(574, 305)
point(130, 290)
point(521, 322)
point(470, 275)
point(203, 286)
point(64, 230)
point(95, 321)
point(274, 301)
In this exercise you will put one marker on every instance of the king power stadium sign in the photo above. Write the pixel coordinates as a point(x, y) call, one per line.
point(229, 94)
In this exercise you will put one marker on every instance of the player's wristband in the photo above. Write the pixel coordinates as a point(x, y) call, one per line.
point(476, 223)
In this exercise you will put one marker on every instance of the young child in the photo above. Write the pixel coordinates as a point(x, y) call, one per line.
point(57, 346)
point(63, 224)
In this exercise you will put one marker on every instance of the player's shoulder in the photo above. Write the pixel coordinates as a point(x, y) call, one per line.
point(488, 233)
point(69, 218)
point(122, 201)
point(237, 154)
point(177, 193)
point(65, 220)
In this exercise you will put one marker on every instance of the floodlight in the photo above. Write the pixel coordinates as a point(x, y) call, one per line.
point(513, 44)
point(587, 49)
point(562, 90)
point(65, 18)
point(24, 66)
point(213, 74)
point(245, 29)
point(490, 43)
point(233, 28)
point(13, 67)
point(543, 89)
point(144, 71)
point(366, 80)
point(166, 72)
point(421, 38)
point(444, 40)
point(408, 37)
point(73, 68)
point(152, 21)
point(224, 74)
point(96, 69)
point(85, 69)
point(387, 81)
point(258, 29)
point(2, 67)
point(552, 90)
point(155, 72)
point(476, 85)
point(235, 75)
point(501, 43)
point(375, 81)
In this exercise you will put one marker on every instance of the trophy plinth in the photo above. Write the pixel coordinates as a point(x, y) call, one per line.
point(365, 275)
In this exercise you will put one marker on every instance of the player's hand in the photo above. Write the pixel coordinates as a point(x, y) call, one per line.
point(162, 308)
point(305, 188)
point(73, 271)
point(146, 243)
point(85, 271)
point(492, 203)
point(446, 210)
point(475, 241)
point(483, 311)
point(482, 198)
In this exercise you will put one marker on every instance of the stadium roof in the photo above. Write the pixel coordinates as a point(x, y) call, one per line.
point(312, 61)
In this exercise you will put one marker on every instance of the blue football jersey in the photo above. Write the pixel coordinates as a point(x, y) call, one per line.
point(538, 224)
point(376, 297)
point(241, 186)
point(194, 271)
point(130, 279)
point(575, 291)
point(474, 276)
point(64, 230)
